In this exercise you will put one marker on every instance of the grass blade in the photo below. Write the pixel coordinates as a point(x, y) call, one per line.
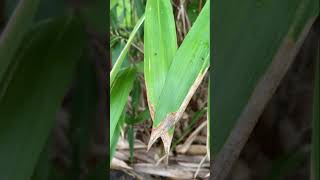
point(14, 32)
point(27, 112)
point(115, 70)
point(184, 76)
point(160, 44)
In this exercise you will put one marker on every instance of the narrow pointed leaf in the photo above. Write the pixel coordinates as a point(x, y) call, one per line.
point(160, 44)
point(115, 136)
point(119, 93)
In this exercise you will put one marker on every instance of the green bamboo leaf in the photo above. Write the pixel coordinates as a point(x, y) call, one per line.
point(115, 70)
point(14, 32)
point(255, 44)
point(186, 72)
point(316, 123)
point(34, 94)
point(116, 134)
point(119, 93)
point(160, 44)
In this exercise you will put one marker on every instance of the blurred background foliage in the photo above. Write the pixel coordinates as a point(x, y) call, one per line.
point(53, 95)
point(280, 145)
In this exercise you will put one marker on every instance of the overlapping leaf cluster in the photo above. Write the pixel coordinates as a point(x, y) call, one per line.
point(171, 74)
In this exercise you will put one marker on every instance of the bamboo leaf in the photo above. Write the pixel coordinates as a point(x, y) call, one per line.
point(34, 94)
point(160, 44)
point(160, 49)
point(115, 70)
point(116, 134)
point(119, 93)
point(186, 72)
point(14, 32)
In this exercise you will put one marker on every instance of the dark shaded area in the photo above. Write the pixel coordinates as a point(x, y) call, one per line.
point(280, 145)
point(114, 174)
point(76, 148)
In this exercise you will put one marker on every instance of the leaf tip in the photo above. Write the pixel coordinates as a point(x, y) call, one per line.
point(154, 136)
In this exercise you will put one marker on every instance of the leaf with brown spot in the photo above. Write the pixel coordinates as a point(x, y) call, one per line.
point(186, 72)
point(160, 46)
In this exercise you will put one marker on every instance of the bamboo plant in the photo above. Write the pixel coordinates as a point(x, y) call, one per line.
point(167, 67)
